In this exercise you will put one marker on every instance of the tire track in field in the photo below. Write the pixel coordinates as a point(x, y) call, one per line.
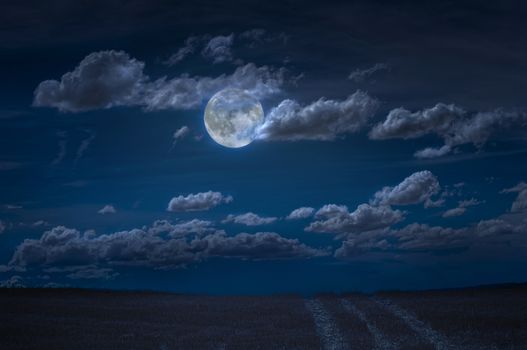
point(439, 341)
point(381, 342)
point(330, 335)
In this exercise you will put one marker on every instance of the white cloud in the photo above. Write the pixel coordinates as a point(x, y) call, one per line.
point(63, 142)
point(337, 219)
point(520, 203)
point(85, 144)
point(106, 79)
point(180, 134)
point(218, 48)
point(249, 219)
point(198, 201)
point(322, 120)
point(360, 75)
point(64, 249)
point(189, 48)
point(301, 213)
point(416, 188)
point(453, 124)
point(454, 212)
point(107, 209)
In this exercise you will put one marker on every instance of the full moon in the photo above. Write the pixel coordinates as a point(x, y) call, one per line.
point(232, 116)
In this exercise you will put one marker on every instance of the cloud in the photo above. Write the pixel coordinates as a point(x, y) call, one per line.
point(13, 282)
point(520, 203)
point(423, 237)
point(401, 123)
point(378, 215)
point(188, 49)
point(63, 142)
point(453, 124)
point(249, 219)
point(107, 209)
point(181, 229)
point(107, 79)
point(323, 120)
point(258, 36)
point(218, 48)
point(197, 202)
point(61, 249)
point(85, 144)
point(337, 219)
point(360, 244)
point(254, 35)
point(416, 188)
point(454, 212)
point(260, 246)
point(431, 152)
point(301, 213)
point(102, 80)
point(2, 227)
point(360, 75)
point(180, 134)
point(92, 272)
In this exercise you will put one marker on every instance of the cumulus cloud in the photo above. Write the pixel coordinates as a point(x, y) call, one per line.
point(107, 209)
point(107, 79)
point(337, 219)
point(102, 80)
point(416, 188)
point(323, 120)
point(360, 244)
point(219, 48)
point(360, 75)
point(453, 124)
point(301, 213)
point(260, 246)
point(249, 219)
point(423, 237)
point(181, 229)
point(63, 247)
point(378, 215)
point(520, 203)
point(197, 202)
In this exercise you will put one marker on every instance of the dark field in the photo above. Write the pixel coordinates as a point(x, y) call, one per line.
point(479, 318)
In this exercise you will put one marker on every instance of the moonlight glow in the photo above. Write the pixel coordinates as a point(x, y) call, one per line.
point(232, 116)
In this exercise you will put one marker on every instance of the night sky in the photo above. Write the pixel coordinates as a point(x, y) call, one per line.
point(392, 155)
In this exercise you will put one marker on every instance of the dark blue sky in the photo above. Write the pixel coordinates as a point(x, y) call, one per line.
point(398, 128)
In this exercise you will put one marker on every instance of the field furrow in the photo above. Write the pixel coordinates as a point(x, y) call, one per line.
point(439, 341)
point(393, 329)
point(380, 341)
point(327, 329)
